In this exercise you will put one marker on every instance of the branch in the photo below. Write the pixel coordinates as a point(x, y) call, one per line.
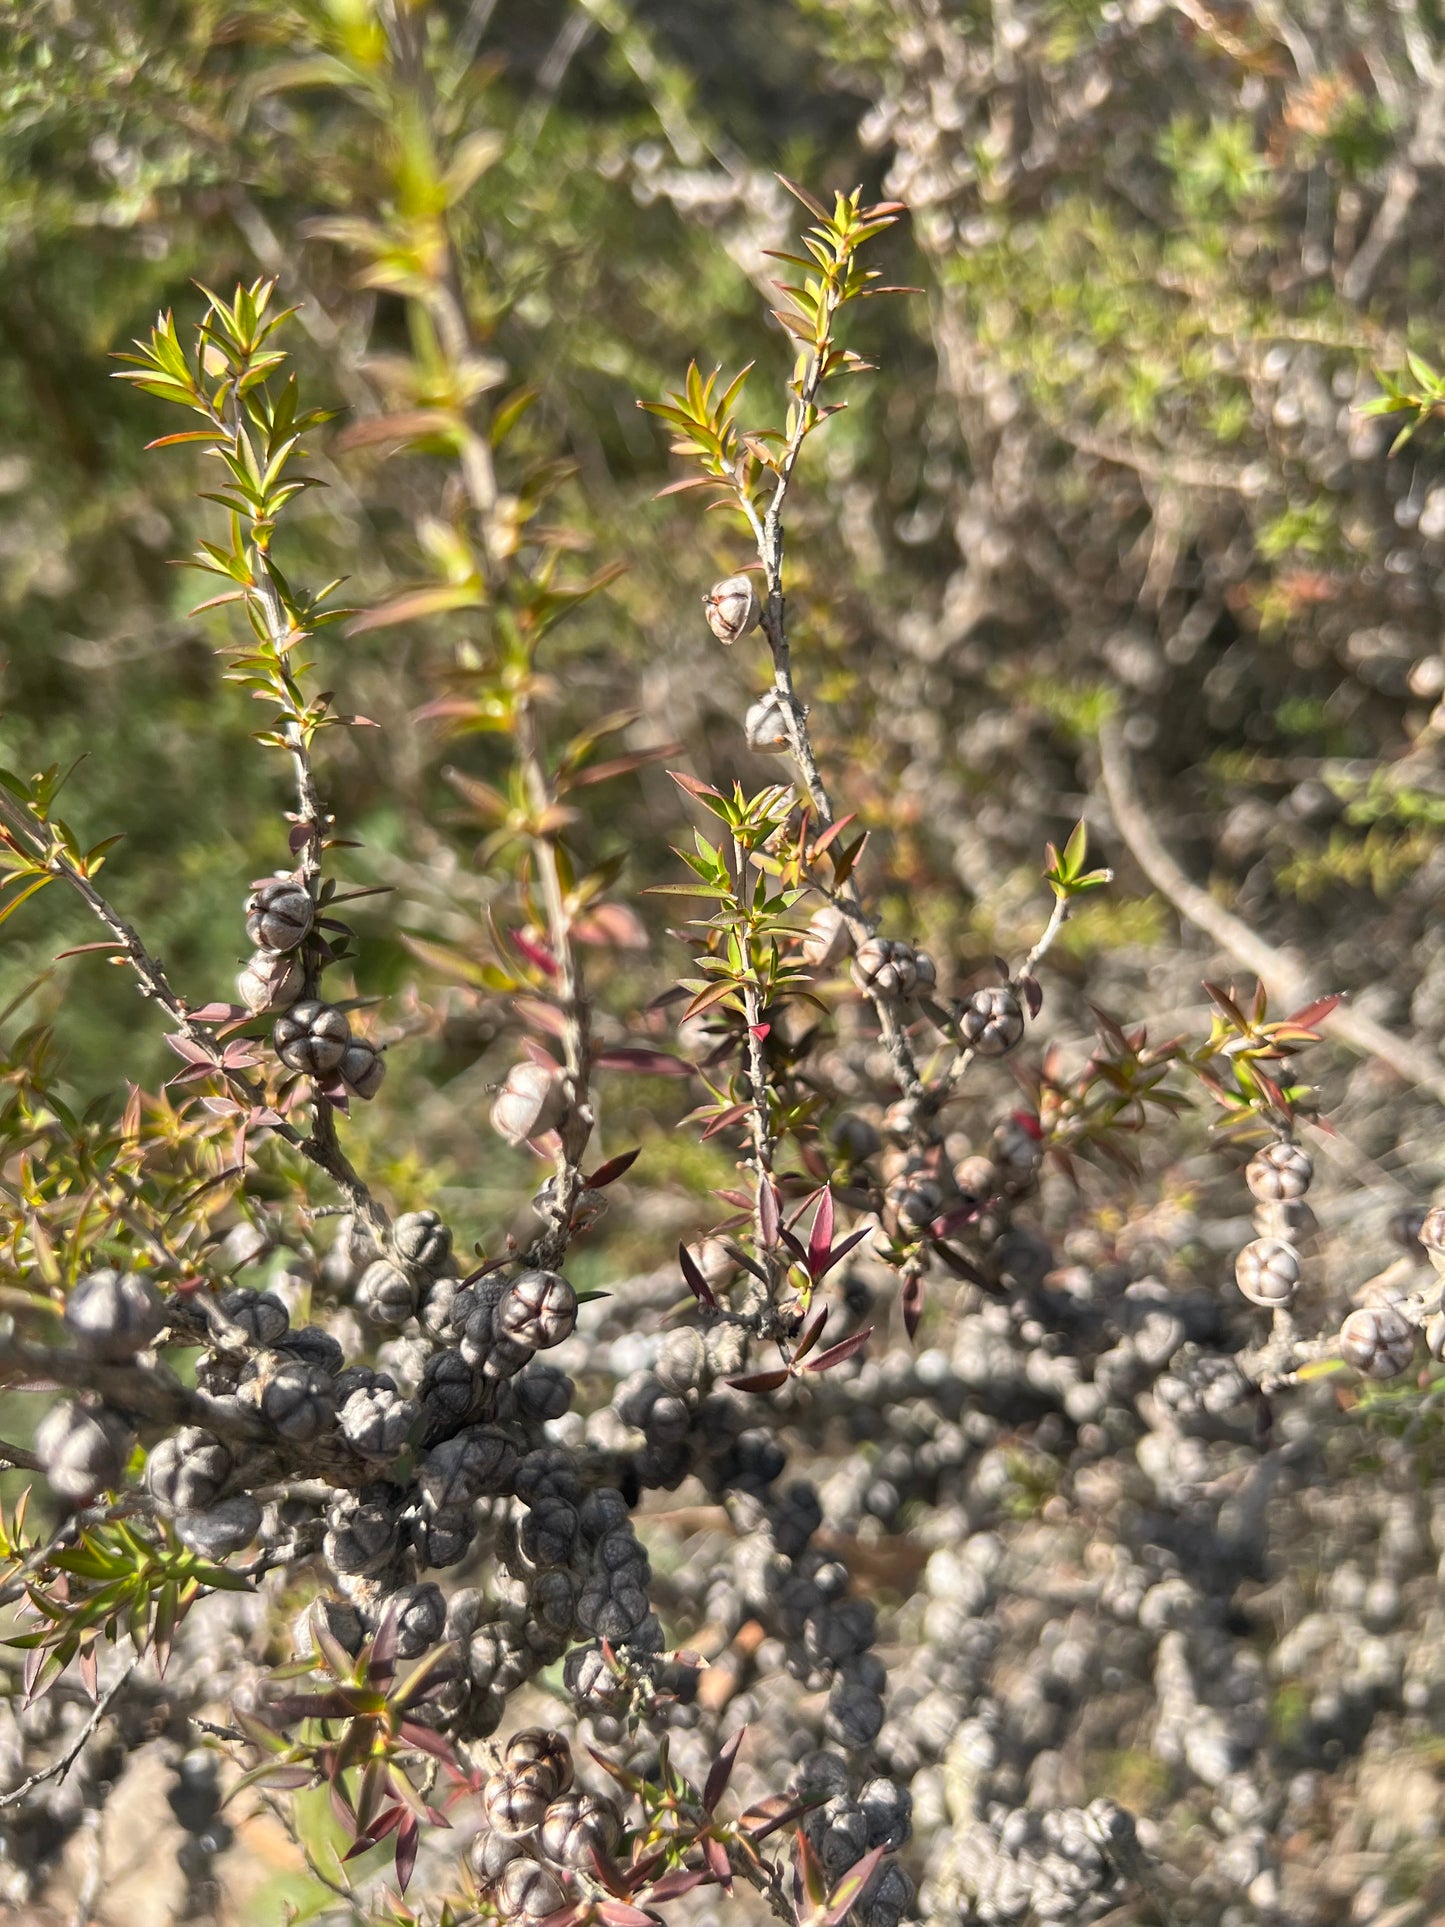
point(325, 1153)
point(1282, 975)
point(58, 1769)
point(768, 533)
point(576, 1127)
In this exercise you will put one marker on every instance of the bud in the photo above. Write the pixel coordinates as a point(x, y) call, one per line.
point(185, 1472)
point(539, 1746)
point(312, 1037)
point(732, 608)
point(579, 1826)
point(531, 1102)
point(271, 982)
point(1268, 1272)
point(278, 914)
point(529, 1892)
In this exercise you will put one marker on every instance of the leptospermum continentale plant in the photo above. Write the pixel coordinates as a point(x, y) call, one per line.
point(206, 1437)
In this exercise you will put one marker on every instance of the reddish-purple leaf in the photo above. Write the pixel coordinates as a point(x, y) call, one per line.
point(640, 1057)
point(845, 1895)
point(834, 829)
point(719, 1866)
point(408, 1836)
point(760, 1031)
point(767, 1213)
point(839, 1252)
point(1033, 994)
point(1315, 1013)
point(760, 1381)
point(696, 1283)
point(681, 1881)
point(617, 1913)
point(613, 1169)
point(835, 1354)
point(820, 1242)
point(810, 1334)
point(721, 1771)
point(694, 785)
point(539, 958)
point(911, 1299)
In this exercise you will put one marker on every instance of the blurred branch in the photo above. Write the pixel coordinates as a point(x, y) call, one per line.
point(1282, 975)
point(58, 1769)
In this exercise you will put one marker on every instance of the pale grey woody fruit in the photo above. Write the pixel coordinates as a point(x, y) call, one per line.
point(531, 1102)
point(731, 608)
point(1268, 1273)
point(362, 1068)
point(312, 1037)
point(1377, 1340)
point(991, 1021)
point(279, 914)
point(270, 982)
point(1279, 1173)
point(114, 1314)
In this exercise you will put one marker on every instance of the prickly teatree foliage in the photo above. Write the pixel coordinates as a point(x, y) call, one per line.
point(645, 1355)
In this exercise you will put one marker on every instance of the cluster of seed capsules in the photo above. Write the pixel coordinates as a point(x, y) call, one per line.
point(1378, 1338)
point(309, 1035)
point(540, 1830)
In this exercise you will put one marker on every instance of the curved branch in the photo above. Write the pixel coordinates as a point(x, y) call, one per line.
point(1280, 971)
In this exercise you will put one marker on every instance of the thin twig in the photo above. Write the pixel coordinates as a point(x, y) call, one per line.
point(155, 985)
point(58, 1769)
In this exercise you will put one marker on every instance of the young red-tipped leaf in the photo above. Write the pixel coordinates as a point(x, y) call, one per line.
point(810, 1334)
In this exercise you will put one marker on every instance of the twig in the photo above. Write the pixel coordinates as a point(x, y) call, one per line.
point(155, 985)
point(768, 534)
point(58, 1769)
point(1280, 973)
point(576, 1127)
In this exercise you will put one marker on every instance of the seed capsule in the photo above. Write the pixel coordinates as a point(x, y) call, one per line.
point(732, 608)
point(538, 1311)
point(279, 914)
point(1267, 1272)
point(362, 1068)
point(1378, 1341)
point(764, 728)
point(271, 982)
point(312, 1037)
point(992, 1021)
point(1431, 1236)
point(1279, 1173)
point(531, 1102)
